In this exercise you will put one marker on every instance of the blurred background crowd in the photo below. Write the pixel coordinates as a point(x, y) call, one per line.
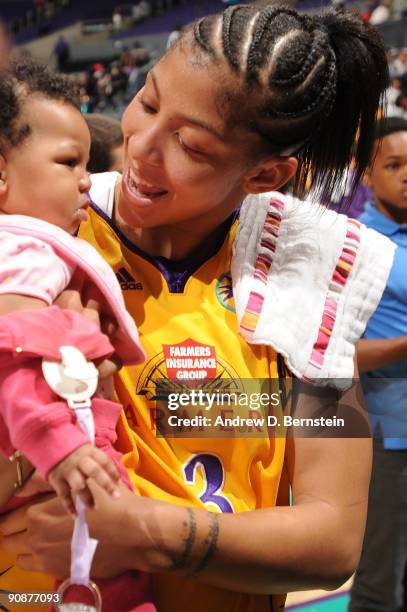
point(108, 47)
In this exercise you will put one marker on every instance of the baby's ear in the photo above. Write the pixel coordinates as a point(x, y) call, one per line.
point(3, 175)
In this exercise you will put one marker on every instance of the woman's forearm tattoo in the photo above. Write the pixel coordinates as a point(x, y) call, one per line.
point(211, 542)
point(183, 561)
point(190, 527)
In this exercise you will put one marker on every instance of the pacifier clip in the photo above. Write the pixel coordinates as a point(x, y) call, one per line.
point(75, 380)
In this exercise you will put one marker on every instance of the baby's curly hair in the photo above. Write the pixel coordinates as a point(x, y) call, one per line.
point(22, 79)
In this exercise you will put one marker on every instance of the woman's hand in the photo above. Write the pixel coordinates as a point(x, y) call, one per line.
point(40, 534)
point(84, 297)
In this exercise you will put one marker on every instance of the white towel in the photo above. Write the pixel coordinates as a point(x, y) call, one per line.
point(285, 255)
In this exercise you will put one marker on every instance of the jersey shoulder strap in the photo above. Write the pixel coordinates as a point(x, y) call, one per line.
point(102, 191)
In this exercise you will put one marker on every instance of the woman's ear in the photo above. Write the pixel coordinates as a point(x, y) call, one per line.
point(270, 174)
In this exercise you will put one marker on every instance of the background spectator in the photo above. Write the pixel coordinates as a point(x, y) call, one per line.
point(62, 53)
point(140, 63)
point(382, 360)
point(106, 147)
point(381, 13)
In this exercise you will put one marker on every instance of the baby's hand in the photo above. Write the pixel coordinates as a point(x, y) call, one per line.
point(69, 477)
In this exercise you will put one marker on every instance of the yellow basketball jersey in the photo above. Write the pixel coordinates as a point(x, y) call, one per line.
point(18, 581)
point(190, 334)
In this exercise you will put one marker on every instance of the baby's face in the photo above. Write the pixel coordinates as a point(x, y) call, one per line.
point(45, 177)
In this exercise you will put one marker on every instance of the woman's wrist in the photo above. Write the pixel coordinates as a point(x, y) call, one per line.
point(179, 539)
point(159, 535)
point(153, 528)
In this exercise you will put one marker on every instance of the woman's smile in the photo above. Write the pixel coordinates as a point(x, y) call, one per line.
point(140, 192)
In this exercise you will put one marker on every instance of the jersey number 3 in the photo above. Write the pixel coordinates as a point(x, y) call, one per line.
point(214, 478)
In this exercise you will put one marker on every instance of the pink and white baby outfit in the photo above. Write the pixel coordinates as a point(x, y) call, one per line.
point(38, 259)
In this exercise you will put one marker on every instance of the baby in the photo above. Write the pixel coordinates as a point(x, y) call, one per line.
point(44, 149)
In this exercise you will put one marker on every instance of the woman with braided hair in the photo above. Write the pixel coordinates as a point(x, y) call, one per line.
point(226, 284)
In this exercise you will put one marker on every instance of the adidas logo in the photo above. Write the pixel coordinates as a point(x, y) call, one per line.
point(127, 281)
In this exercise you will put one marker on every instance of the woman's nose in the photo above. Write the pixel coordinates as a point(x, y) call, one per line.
point(145, 147)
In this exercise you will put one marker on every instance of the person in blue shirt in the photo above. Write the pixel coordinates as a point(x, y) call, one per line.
point(382, 361)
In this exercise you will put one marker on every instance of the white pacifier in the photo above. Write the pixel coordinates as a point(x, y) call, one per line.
point(74, 378)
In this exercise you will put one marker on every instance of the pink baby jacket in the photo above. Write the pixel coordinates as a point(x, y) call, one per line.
point(39, 259)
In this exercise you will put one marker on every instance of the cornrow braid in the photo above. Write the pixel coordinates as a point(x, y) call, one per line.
point(227, 39)
point(236, 20)
point(323, 100)
point(201, 35)
point(307, 84)
point(318, 45)
point(271, 25)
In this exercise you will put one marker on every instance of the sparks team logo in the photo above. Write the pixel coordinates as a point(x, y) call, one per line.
point(224, 291)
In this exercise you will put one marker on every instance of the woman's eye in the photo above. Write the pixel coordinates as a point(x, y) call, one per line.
point(147, 107)
point(186, 147)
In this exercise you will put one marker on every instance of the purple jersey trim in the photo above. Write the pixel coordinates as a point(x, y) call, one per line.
point(176, 273)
